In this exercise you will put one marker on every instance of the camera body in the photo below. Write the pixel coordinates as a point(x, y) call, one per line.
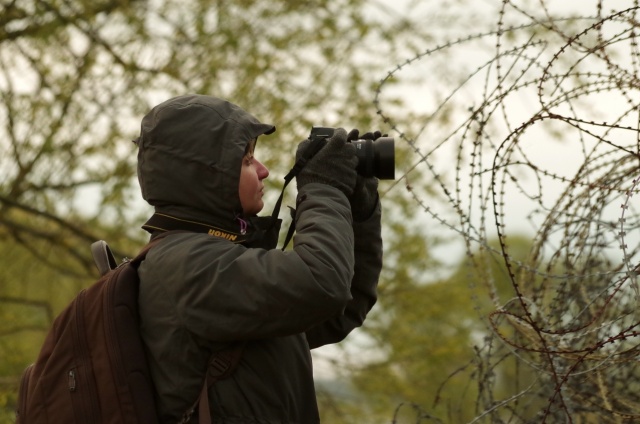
point(376, 158)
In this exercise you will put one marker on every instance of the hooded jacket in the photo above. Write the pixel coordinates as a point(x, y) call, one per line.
point(205, 291)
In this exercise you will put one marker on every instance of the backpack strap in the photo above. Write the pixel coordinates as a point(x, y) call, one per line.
point(103, 257)
point(221, 365)
point(143, 252)
point(105, 260)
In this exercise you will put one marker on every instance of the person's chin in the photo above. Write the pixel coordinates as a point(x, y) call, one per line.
point(258, 208)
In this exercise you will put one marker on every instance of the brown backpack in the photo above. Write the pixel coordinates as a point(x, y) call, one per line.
point(92, 367)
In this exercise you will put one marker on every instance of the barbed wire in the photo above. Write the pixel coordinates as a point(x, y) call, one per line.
point(543, 127)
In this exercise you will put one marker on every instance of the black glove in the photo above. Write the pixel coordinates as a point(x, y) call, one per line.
point(365, 194)
point(335, 163)
point(354, 135)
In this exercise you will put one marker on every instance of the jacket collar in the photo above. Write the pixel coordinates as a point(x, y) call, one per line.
point(261, 232)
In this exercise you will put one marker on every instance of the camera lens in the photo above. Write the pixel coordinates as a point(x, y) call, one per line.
point(376, 158)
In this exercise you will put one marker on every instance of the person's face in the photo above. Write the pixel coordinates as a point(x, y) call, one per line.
point(251, 186)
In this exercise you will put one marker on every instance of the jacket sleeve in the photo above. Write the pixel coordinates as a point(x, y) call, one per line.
point(221, 291)
point(368, 265)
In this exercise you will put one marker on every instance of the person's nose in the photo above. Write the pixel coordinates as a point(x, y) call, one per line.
point(262, 170)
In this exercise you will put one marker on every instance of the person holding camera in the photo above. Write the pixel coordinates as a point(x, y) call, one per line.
point(218, 282)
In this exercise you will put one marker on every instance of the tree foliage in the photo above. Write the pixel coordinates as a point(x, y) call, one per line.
point(520, 330)
point(77, 76)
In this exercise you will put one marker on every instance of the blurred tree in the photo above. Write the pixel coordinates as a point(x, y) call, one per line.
point(76, 77)
point(440, 361)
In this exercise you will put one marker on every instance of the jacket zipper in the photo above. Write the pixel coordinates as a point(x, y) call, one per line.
point(72, 380)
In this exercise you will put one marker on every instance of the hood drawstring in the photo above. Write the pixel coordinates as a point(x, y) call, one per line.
point(243, 225)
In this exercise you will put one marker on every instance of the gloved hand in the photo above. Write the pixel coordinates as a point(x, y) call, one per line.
point(365, 194)
point(355, 135)
point(335, 164)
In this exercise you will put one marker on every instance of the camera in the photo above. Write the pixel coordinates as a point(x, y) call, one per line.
point(376, 158)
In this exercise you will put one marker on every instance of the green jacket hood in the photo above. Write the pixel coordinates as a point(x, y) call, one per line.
point(190, 154)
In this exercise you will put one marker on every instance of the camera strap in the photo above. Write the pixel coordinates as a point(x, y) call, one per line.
point(265, 229)
point(314, 147)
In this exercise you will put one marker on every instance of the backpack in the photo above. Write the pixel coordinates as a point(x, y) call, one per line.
point(92, 367)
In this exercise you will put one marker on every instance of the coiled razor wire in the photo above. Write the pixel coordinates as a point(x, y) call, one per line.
point(544, 131)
